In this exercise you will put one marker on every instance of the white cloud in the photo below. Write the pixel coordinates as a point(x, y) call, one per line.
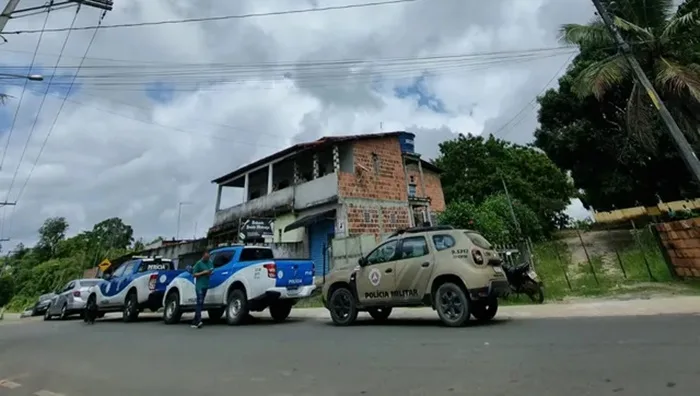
point(122, 154)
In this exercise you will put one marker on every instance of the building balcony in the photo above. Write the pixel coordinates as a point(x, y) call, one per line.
point(298, 197)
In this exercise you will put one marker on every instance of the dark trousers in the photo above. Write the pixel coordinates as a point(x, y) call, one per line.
point(201, 294)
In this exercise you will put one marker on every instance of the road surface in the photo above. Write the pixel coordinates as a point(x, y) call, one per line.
point(640, 356)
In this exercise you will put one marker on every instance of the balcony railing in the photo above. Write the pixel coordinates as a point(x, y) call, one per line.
point(302, 196)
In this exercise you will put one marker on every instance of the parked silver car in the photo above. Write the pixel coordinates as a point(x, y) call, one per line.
point(71, 299)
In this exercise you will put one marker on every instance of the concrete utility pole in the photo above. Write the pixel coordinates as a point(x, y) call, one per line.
point(7, 12)
point(510, 205)
point(686, 150)
point(11, 8)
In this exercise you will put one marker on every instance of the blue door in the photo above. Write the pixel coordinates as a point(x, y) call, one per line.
point(320, 236)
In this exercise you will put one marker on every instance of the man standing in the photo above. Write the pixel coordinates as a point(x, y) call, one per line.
point(201, 272)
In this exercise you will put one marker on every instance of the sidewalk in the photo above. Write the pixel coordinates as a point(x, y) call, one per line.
point(593, 308)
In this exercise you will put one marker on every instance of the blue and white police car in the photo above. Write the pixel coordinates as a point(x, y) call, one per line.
point(244, 279)
point(135, 285)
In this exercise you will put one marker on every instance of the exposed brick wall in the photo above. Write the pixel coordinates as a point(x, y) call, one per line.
point(681, 241)
point(375, 219)
point(387, 184)
point(433, 187)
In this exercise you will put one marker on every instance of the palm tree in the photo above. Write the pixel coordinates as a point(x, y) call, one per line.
point(666, 44)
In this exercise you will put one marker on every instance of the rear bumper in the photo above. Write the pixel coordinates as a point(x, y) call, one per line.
point(497, 288)
point(283, 293)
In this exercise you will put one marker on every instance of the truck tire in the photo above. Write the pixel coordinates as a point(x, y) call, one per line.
point(280, 310)
point(452, 304)
point(380, 314)
point(215, 314)
point(343, 307)
point(172, 312)
point(237, 307)
point(131, 307)
point(484, 310)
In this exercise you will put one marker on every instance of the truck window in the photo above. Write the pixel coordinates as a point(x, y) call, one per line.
point(443, 242)
point(153, 265)
point(255, 254)
point(222, 258)
point(478, 240)
point(413, 247)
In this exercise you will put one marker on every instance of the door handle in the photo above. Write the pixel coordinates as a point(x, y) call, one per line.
point(426, 264)
point(224, 273)
point(388, 270)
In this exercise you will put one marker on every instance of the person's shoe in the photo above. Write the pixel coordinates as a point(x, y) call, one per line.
point(194, 326)
point(199, 325)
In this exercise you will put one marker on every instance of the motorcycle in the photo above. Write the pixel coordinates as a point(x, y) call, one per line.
point(524, 280)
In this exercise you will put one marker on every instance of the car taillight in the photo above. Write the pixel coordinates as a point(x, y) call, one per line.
point(477, 256)
point(152, 281)
point(76, 293)
point(271, 270)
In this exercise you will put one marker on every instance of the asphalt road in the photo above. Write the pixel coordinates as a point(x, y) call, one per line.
point(587, 356)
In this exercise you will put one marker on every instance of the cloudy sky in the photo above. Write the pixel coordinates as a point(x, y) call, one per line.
point(159, 111)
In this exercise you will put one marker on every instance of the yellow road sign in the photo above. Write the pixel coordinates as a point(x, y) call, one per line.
point(104, 264)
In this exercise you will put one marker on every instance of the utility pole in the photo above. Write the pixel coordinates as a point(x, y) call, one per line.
point(510, 205)
point(686, 150)
point(11, 11)
point(7, 12)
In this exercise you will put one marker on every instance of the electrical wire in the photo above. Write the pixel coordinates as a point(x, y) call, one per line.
point(531, 102)
point(58, 114)
point(24, 88)
point(224, 17)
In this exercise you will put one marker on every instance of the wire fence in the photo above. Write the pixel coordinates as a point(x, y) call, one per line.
point(594, 261)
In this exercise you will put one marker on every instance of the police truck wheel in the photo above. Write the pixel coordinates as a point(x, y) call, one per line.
point(237, 307)
point(380, 314)
point(452, 304)
point(484, 310)
point(172, 312)
point(215, 314)
point(342, 307)
point(280, 310)
point(131, 309)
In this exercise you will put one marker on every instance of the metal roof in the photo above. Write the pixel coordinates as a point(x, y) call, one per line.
point(300, 147)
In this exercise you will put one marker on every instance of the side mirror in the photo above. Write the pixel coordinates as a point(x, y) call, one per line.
point(362, 262)
point(188, 269)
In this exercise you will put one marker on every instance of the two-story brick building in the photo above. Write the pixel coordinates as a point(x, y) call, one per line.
point(335, 186)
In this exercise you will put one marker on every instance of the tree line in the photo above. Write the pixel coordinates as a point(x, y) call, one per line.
point(599, 139)
point(27, 272)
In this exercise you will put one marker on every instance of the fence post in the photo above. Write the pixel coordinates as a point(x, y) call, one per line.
point(641, 248)
point(588, 258)
point(563, 266)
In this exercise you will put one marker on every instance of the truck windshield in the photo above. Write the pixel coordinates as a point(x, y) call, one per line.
point(255, 254)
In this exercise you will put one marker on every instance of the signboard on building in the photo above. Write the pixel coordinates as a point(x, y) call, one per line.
point(256, 229)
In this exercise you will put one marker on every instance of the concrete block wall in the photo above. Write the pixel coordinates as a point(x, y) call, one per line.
point(681, 242)
point(433, 187)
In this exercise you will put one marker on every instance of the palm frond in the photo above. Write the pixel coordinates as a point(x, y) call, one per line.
point(651, 14)
point(594, 34)
point(678, 23)
point(644, 34)
point(678, 80)
point(639, 117)
point(597, 78)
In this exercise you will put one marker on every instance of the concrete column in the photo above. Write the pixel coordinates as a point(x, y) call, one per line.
point(425, 194)
point(316, 168)
point(297, 177)
point(218, 198)
point(245, 187)
point(269, 178)
point(336, 159)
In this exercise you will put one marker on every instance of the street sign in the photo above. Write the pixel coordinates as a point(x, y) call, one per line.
point(104, 264)
point(256, 229)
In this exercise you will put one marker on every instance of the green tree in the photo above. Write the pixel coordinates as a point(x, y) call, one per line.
point(113, 234)
point(658, 37)
point(466, 215)
point(7, 289)
point(51, 233)
point(474, 167)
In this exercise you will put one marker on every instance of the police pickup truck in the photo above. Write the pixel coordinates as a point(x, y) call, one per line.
point(135, 285)
point(244, 279)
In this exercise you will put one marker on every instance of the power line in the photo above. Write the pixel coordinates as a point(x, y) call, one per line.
point(58, 114)
point(24, 88)
point(38, 114)
point(223, 17)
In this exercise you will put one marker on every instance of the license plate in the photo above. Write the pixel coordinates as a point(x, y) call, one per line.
point(532, 274)
point(498, 269)
point(292, 290)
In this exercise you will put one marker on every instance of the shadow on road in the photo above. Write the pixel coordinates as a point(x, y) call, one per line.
point(251, 320)
point(419, 322)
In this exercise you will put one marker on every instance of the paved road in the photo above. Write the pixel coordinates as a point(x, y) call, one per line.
point(640, 356)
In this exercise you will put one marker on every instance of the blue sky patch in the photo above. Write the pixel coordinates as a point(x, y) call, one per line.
point(423, 97)
point(160, 92)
